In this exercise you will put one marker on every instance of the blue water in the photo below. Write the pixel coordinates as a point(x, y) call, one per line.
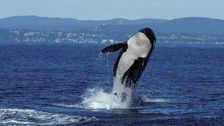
point(46, 85)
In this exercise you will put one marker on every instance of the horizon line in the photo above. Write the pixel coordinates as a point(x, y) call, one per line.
point(108, 18)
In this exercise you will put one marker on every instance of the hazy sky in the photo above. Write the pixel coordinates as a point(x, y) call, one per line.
point(107, 9)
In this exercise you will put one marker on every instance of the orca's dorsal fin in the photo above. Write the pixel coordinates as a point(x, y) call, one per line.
point(113, 48)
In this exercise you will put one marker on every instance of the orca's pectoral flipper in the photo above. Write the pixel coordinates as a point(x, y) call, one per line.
point(113, 48)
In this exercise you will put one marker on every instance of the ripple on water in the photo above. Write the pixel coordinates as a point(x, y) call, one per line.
point(33, 117)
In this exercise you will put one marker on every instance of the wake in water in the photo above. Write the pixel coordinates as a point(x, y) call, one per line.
point(33, 117)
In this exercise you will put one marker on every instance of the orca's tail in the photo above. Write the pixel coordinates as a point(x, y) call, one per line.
point(113, 48)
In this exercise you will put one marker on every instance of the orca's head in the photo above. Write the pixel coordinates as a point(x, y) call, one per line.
point(150, 34)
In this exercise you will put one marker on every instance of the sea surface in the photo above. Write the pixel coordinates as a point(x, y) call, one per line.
point(70, 85)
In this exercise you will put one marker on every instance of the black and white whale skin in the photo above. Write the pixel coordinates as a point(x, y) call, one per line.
point(133, 56)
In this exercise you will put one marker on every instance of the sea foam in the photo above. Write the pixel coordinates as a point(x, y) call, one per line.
point(120, 97)
point(34, 117)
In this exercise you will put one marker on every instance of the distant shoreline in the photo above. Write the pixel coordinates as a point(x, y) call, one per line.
point(35, 29)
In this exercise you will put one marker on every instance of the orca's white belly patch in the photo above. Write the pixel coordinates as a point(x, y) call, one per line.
point(138, 47)
point(125, 62)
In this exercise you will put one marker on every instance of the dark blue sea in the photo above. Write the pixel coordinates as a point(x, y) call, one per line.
point(68, 85)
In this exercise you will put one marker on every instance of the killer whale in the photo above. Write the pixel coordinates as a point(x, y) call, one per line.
point(133, 56)
point(130, 64)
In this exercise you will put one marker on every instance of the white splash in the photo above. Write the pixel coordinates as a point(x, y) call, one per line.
point(120, 97)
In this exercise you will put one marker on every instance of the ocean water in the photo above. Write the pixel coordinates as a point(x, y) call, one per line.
point(183, 85)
